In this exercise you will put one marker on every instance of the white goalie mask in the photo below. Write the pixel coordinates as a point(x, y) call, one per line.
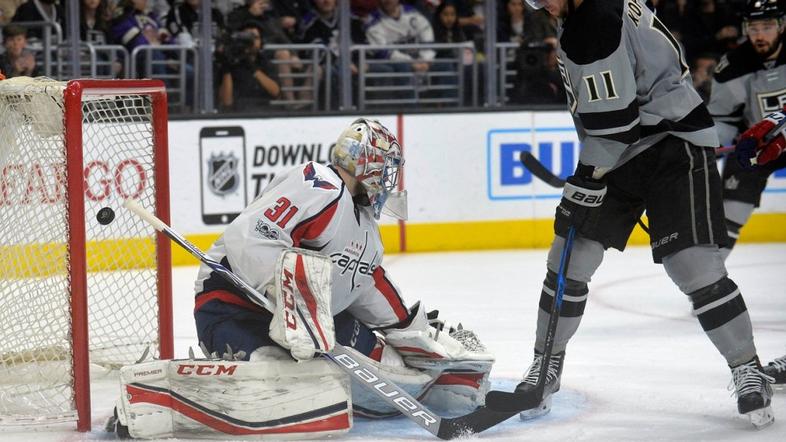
point(371, 153)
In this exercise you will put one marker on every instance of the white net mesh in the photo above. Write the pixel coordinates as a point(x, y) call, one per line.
point(36, 374)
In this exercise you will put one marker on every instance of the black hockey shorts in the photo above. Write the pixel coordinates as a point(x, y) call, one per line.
point(746, 185)
point(679, 186)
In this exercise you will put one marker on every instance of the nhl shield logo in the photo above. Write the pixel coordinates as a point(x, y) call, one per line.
point(222, 173)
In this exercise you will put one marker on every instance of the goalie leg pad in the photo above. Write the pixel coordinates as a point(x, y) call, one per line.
point(217, 399)
point(302, 321)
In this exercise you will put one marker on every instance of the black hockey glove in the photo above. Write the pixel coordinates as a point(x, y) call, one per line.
point(581, 198)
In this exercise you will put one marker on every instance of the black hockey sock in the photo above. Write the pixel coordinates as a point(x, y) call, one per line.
point(723, 315)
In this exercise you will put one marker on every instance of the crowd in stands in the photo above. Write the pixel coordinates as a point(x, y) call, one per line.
point(246, 77)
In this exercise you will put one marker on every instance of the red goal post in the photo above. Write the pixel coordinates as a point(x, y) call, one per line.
point(76, 293)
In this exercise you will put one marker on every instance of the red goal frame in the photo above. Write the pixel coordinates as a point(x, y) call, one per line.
point(74, 92)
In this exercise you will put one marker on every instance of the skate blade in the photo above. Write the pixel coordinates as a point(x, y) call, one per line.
point(761, 418)
point(534, 413)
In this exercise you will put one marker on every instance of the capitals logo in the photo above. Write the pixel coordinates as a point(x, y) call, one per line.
point(310, 174)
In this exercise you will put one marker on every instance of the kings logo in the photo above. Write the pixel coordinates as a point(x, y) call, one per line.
point(222, 173)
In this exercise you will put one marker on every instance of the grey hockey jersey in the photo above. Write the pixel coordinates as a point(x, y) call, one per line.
point(309, 207)
point(744, 90)
point(627, 83)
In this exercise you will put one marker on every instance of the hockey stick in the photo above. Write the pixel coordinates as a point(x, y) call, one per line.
point(520, 401)
point(359, 370)
point(542, 173)
point(539, 170)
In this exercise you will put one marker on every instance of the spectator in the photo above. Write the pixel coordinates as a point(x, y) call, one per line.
point(183, 22)
point(38, 11)
point(519, 23)
point(538, 80)
point(136, 27)
point(290, 15)
point(17, 61)
point(93, 24)
point(248, 81)
point(321, 26)
point(472, 20)
point(446, 25)
point(272, 33)
point(363, 8)
point(702, 70)
point(447, 30)
point(8, 9)
point(392, 24)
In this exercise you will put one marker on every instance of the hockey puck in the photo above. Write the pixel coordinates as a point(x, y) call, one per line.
point(105, 216)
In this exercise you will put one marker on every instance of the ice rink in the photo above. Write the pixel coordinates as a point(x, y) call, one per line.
point(639, 368)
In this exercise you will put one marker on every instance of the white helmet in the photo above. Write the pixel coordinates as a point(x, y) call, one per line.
point(371, 153)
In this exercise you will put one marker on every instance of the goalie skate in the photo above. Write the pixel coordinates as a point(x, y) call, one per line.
point(753, 391)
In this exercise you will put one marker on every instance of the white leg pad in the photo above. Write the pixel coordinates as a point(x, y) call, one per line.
point(216, 399)
point(413, 381)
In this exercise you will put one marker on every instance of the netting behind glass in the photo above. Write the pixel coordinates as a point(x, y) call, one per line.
point(36, 374)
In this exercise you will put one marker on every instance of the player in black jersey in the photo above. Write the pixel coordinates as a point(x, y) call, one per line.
point(648, 144)
point(749, 83)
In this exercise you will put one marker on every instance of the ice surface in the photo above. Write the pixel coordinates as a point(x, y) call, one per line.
point(639, 368)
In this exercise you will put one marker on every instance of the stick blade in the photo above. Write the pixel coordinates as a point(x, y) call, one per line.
point(479, 420)
point(513, 402)
point(539, 170)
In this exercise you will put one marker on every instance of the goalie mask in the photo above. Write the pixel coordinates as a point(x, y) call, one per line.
point(370, 153)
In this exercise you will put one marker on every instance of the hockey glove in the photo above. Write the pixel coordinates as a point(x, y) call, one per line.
point(581, 199)
point(763, 142)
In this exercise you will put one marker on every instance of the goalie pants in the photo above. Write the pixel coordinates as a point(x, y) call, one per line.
point(246, 327)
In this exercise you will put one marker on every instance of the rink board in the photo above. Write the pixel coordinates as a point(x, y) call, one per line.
point(467, 189)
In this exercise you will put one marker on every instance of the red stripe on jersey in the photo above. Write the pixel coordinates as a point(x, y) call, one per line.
point(223, 424)
point(311, 303)
point(418, 351)
point(226, 297)
point(314, 226)
point(384, 286)
point(468, 379)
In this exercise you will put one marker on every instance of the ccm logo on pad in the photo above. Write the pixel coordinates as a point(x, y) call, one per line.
point(206, 369)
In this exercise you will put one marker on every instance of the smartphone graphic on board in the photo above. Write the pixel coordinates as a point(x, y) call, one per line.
point(222, 170)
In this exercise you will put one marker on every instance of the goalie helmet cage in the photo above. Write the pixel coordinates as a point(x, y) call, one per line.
point(75, 293)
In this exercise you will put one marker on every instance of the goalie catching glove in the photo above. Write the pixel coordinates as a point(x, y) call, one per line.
point(420, 341)
point(302, 322)
point(763, 142)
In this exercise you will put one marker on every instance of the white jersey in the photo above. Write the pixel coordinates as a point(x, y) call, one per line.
point(410, 27)
point(308, 207)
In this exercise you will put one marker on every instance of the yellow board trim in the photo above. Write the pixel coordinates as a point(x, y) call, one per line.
point(47, 259)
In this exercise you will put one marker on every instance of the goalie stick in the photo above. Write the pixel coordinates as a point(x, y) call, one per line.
point(368, 376)
point(519, 401)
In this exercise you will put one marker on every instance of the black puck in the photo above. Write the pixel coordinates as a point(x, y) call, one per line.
point(105, 215)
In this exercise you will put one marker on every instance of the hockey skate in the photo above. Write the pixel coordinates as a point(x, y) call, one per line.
point(753, 391)
point(552, 383)
point(777, 369)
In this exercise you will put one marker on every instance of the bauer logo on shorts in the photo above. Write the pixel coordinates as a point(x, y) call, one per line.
point(222, 173)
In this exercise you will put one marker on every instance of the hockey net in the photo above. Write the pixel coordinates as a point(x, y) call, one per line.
point(66, 151)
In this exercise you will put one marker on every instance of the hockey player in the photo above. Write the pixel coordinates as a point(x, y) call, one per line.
point(749, 83)
point(648, 144)
point(311, 239)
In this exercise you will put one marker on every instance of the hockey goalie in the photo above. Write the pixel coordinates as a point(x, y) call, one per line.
point(311, 243)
